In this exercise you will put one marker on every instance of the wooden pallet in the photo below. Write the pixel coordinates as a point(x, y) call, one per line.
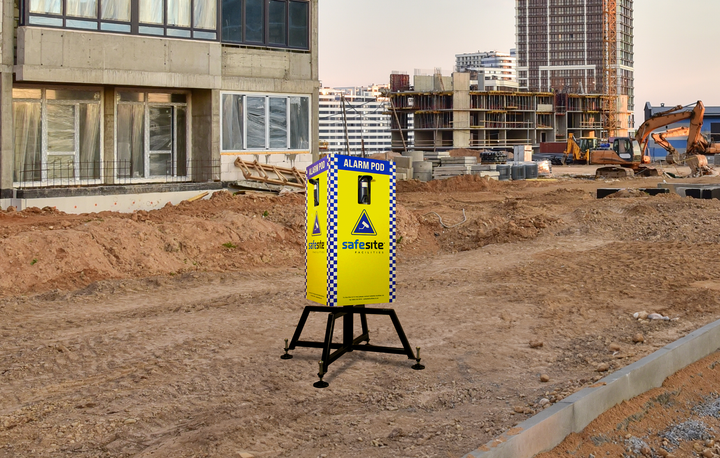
point(255, 171)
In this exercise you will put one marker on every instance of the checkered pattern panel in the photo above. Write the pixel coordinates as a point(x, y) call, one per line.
point(332, 235)
point(307, 216)
point(393, 231)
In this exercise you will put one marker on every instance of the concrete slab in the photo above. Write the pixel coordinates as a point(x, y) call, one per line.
point(547, 429)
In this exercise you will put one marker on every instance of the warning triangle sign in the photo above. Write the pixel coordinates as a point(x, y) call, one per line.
point(364, 226)
point(316, 226)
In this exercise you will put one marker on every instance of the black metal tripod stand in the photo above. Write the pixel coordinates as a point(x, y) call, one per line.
point(349, 343)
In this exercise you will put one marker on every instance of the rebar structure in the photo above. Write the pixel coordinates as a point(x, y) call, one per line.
point(609, 68)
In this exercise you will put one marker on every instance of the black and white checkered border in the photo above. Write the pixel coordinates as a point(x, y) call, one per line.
point(307, 221)
point(393, 231)
point(332, 236)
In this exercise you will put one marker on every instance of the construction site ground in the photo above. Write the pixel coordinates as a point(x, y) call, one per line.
point(160, 333)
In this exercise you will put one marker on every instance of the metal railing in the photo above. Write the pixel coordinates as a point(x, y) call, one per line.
point(56, 174)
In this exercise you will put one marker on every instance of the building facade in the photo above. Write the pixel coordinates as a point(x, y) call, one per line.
point(449, 114)
point(561, 45)
point(491, 71)
point(366, 115)
point(108, 98)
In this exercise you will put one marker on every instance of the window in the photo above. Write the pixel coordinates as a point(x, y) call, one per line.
point(265, 122)
point(277, 23)
point(57, 136)
point(152, 135)
point(173, 18)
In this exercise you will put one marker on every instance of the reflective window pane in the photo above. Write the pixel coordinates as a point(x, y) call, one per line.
point(26, 93)
point(255, 122)
point(28, 141)
point(205, 14)
point(299, 123)
point(178, 13)
point(159, 98)
point(69, 94)
point(46, 6)
point(276, 23)
point(151, 11)
point(161, 165)
point(131, 140)
point(232, 122)
point(89, 130)
point(115, 10)
point(181, 143)
point(278, 122)
point(160, 128)
point(255, 21)
point(299, 24)
point(232, 21)
point(61, 167)
point(60, 128)
point(81, 8)
point(131, 96)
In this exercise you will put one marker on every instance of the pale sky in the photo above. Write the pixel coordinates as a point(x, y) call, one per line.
point(677, 60)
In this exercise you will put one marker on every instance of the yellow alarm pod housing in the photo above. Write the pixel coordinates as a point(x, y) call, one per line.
point(350, 231)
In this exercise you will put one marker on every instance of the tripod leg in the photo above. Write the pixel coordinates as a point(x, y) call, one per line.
point(363, 323)
point(299, 329)
point(401, 335)
point(326, 351)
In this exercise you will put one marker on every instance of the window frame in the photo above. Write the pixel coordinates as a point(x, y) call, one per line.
point(147, 152)
point(266, 26)
point(133, 26)
point(44, 181)
point(288, 125)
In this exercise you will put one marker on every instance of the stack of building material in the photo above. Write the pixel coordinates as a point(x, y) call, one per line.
point(454, 166)
point(434, 157)
point(403, 168)
point(449, 171)
point(485, 170)
point(463, 160)
point(422, 170)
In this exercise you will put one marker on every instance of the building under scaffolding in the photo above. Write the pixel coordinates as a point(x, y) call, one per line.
point(583, 46)
point(447, 115)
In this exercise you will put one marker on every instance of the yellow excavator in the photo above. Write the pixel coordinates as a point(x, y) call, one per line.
point(579, 148)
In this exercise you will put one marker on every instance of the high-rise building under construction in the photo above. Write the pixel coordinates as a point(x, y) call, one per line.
point(576, 46)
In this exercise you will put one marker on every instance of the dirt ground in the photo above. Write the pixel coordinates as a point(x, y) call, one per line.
point(160, 333)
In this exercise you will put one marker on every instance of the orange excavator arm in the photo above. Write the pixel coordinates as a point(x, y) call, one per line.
point(661, 140)
point(669, 117)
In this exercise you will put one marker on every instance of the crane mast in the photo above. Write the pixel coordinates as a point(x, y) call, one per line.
point(609, 68)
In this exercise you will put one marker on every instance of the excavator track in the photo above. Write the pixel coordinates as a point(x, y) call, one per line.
point(614, 172)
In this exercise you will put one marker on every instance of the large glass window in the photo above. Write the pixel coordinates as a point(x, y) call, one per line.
point(152, 131)
point(57, 136)
point(265, 122)
point(281, 23)
point(172, 18)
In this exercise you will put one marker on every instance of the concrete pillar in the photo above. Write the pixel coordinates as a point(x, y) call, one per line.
point(461, 110)
point(109, 171)
point(205, 149)
point(6, 113)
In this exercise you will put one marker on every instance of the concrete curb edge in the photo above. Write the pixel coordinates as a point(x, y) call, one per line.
point(549, 428)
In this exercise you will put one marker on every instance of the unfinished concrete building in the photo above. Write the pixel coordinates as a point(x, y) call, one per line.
point(447, 114)
point(128, 104)
point(576, 46)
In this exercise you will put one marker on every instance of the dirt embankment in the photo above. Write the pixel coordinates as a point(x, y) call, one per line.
point(45, 249)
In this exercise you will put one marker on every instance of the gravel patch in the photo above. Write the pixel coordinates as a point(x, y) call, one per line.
point(690, 430)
